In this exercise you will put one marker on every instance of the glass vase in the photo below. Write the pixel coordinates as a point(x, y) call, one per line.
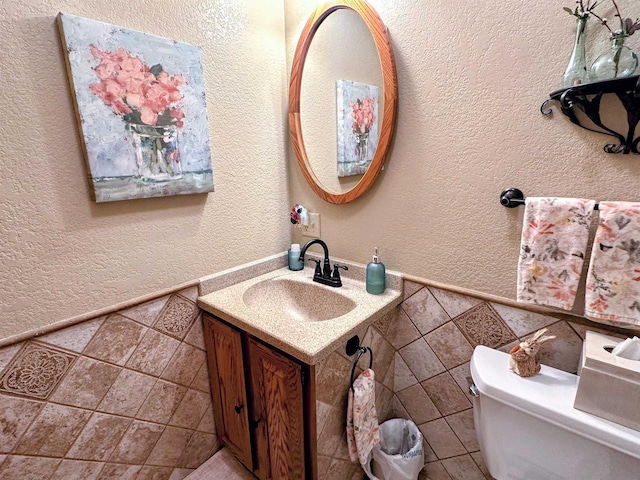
point(617, 62)
point(362, 148)
point(157, 154)
point(576, 72)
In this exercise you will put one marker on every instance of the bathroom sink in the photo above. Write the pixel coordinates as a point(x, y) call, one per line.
point(295, 300)
point(289, 311)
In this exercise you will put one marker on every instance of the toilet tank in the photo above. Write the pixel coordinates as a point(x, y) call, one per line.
point(528, 429)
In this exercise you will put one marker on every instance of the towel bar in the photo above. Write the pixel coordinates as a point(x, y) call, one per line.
point(513, 197)
point(361, 351)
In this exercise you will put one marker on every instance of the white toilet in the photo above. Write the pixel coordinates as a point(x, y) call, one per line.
point(528, 429)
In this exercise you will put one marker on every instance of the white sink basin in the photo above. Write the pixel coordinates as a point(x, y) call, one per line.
point(295, 300)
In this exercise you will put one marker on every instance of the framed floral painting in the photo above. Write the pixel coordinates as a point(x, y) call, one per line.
point(141, 108)
point(357, 126)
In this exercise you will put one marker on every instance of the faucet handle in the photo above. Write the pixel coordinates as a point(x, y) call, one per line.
point(318, 271)
point(336, 272)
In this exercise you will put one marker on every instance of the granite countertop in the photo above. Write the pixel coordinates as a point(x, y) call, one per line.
point(308, 341)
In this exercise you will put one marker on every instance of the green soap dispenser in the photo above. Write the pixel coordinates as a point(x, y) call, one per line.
point(375, 275)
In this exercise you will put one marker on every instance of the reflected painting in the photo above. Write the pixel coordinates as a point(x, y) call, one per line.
point(357, 126)
point(141, 106)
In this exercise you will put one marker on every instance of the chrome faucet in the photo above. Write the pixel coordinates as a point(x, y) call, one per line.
point(324, 275)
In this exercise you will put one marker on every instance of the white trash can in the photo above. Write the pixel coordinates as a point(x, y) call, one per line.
point(399, 455)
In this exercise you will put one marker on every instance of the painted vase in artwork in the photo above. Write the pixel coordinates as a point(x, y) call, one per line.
point(157, 153)
point(362, 146)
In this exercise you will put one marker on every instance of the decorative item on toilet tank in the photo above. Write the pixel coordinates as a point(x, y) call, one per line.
point(141, 109)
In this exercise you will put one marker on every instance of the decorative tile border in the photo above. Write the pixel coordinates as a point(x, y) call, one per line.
point(35, 371)
point(177, 317)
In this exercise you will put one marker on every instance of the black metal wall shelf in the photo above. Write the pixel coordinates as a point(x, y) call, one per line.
point(587, 98)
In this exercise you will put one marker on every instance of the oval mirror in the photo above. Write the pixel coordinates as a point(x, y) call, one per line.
point(345, 101)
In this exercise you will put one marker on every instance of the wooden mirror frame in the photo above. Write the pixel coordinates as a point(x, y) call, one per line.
point(381, 39)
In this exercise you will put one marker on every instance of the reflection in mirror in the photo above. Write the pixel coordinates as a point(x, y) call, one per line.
point(342, 49)
point(342, 41)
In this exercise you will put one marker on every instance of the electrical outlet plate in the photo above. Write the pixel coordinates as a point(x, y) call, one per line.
point(313, 229)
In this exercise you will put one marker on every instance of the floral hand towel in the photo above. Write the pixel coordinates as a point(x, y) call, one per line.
point(552, 250)
point(613, 280)
point(362, 420)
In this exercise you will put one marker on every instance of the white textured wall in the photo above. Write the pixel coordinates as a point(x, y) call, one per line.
point(62, 255)
point(472, 76)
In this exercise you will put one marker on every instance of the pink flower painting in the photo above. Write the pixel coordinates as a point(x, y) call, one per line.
point(140, 94)
point(142, 109)
point(357, 126)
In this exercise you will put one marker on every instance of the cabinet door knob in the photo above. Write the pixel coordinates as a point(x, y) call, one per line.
point(255, 423)
point(238, 408)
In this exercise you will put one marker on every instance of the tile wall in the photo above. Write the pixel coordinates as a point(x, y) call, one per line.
point(332, 385)
point(125, 396)
point(434, 333)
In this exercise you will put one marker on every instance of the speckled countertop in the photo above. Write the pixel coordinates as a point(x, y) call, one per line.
point(308, 341)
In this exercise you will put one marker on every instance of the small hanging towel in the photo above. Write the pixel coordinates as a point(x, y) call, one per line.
point(362, 419)
point(613, 281)
point(555, 232)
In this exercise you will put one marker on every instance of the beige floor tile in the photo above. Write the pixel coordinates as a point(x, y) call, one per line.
point(54, 431)
point(332, 378)
point(199, 448)
point(113, 471)
point(191, 409)
point(184, 365)
point(522, 322)
point(564, 351)
point(153, 353)
point(425, 311)
point(17, 415)
point(454, 303)
point(195, 336)
point(137, 443)
point(154, 473)
point(207, 424)
point(16, 467)
point(445, 393)
point(161, 402)
point(146, 313)
point(441, 438)
point(180, 473)
point(86, 384)
point(421, 360)
point(463, 468)
point(99, 438)
point(201, 380)
point(77, 470)
point(449, 345)
point(127, 393)
point(76, 337)
point(409, 288)
point(403, 377)
point(116, 340)
point(418, 404)
point(403, 332)
point(170, 447)
point(435, 471)
point(462, 376)
point(8, 353)
point(462, 425)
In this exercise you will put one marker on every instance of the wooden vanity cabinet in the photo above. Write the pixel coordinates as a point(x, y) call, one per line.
point(261, 402)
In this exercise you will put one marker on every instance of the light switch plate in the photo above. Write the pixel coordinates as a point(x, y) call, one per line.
point(313, 229)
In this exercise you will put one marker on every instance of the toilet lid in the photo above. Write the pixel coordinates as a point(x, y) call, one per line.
point(548, 395)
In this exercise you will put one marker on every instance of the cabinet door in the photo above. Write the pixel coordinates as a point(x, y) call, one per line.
point(228, 391)
point(277, 409)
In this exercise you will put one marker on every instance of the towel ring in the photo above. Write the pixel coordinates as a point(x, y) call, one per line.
point(361, 351)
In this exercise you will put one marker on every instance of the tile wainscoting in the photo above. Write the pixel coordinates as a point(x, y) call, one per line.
point(123, 396)
point(434, 332)
point(126, 395)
